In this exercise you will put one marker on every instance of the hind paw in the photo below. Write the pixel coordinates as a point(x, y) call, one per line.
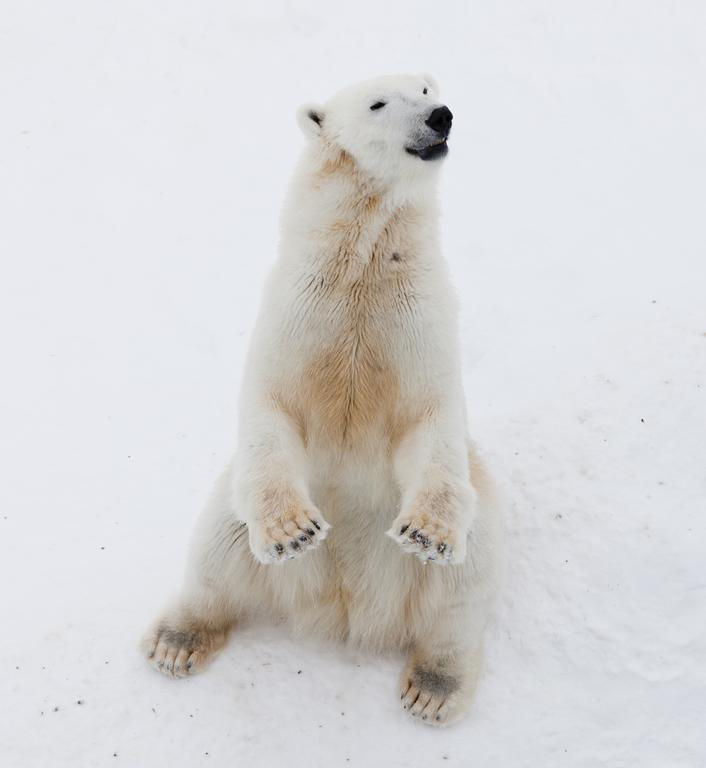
point(179, 648)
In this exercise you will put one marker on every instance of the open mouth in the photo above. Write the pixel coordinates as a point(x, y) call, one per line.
point(430, 152)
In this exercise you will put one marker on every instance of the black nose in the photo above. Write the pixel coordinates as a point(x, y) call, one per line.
point(440, 120)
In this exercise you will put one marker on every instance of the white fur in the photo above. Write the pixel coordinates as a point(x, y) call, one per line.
point(359, 297)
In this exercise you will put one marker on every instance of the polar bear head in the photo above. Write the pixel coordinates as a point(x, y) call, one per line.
point(395, 128)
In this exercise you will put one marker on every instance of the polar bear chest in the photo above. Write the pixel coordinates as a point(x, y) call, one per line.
point(358, 349)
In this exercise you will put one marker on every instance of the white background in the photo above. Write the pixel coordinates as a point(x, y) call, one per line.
point(144, 152)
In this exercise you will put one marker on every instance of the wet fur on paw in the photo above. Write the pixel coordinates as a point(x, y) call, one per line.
point(433, 693)
point(182, 647)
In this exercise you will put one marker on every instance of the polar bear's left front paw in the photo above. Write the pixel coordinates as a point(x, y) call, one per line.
point(429, 539)
point(435, 525)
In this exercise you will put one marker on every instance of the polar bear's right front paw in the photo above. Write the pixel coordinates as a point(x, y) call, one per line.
point(286, 532)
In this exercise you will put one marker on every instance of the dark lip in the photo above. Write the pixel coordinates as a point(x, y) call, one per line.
point(432, 152)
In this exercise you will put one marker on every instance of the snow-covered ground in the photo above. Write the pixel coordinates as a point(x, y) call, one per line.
point(144, 150)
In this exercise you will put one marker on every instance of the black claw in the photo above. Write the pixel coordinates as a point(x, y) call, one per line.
point(438, 717)
point(279, 548)
point(403, 529)
point(441, 549)
point(310, 531)
point(316, 525)
point(304, 538)
point(295, 545)
point(413, 533)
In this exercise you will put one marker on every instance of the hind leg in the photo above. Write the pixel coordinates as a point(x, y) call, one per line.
point(439, 680)
point(221, 578)
point(444, 664)
point(182, 642)
point(446, 658)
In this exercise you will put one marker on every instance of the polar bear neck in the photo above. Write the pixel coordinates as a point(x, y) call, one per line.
point(339, 215)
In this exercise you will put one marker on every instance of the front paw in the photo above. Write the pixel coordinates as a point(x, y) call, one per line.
point(429, 539)
point(286, 530)
point(435, 525)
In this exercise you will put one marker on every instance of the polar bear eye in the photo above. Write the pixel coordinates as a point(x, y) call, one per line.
point(378, 105)
point(425, 91)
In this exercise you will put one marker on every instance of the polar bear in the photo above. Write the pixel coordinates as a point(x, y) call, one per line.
point(356, 506)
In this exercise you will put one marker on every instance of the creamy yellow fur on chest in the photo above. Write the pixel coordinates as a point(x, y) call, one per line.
point(360, 300)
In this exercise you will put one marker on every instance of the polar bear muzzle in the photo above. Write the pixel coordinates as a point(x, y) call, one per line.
point(439, 121)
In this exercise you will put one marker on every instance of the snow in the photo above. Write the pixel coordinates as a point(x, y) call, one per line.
point(144, 151)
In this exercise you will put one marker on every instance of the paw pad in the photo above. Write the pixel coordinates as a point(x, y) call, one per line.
point(288, 533)
point(426, 538)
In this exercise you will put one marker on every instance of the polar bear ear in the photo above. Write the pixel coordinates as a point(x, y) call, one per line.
point(430, 80)
point(311, 118)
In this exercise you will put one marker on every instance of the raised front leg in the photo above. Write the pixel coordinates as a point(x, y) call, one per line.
point(271, 490)
point(438, 501)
